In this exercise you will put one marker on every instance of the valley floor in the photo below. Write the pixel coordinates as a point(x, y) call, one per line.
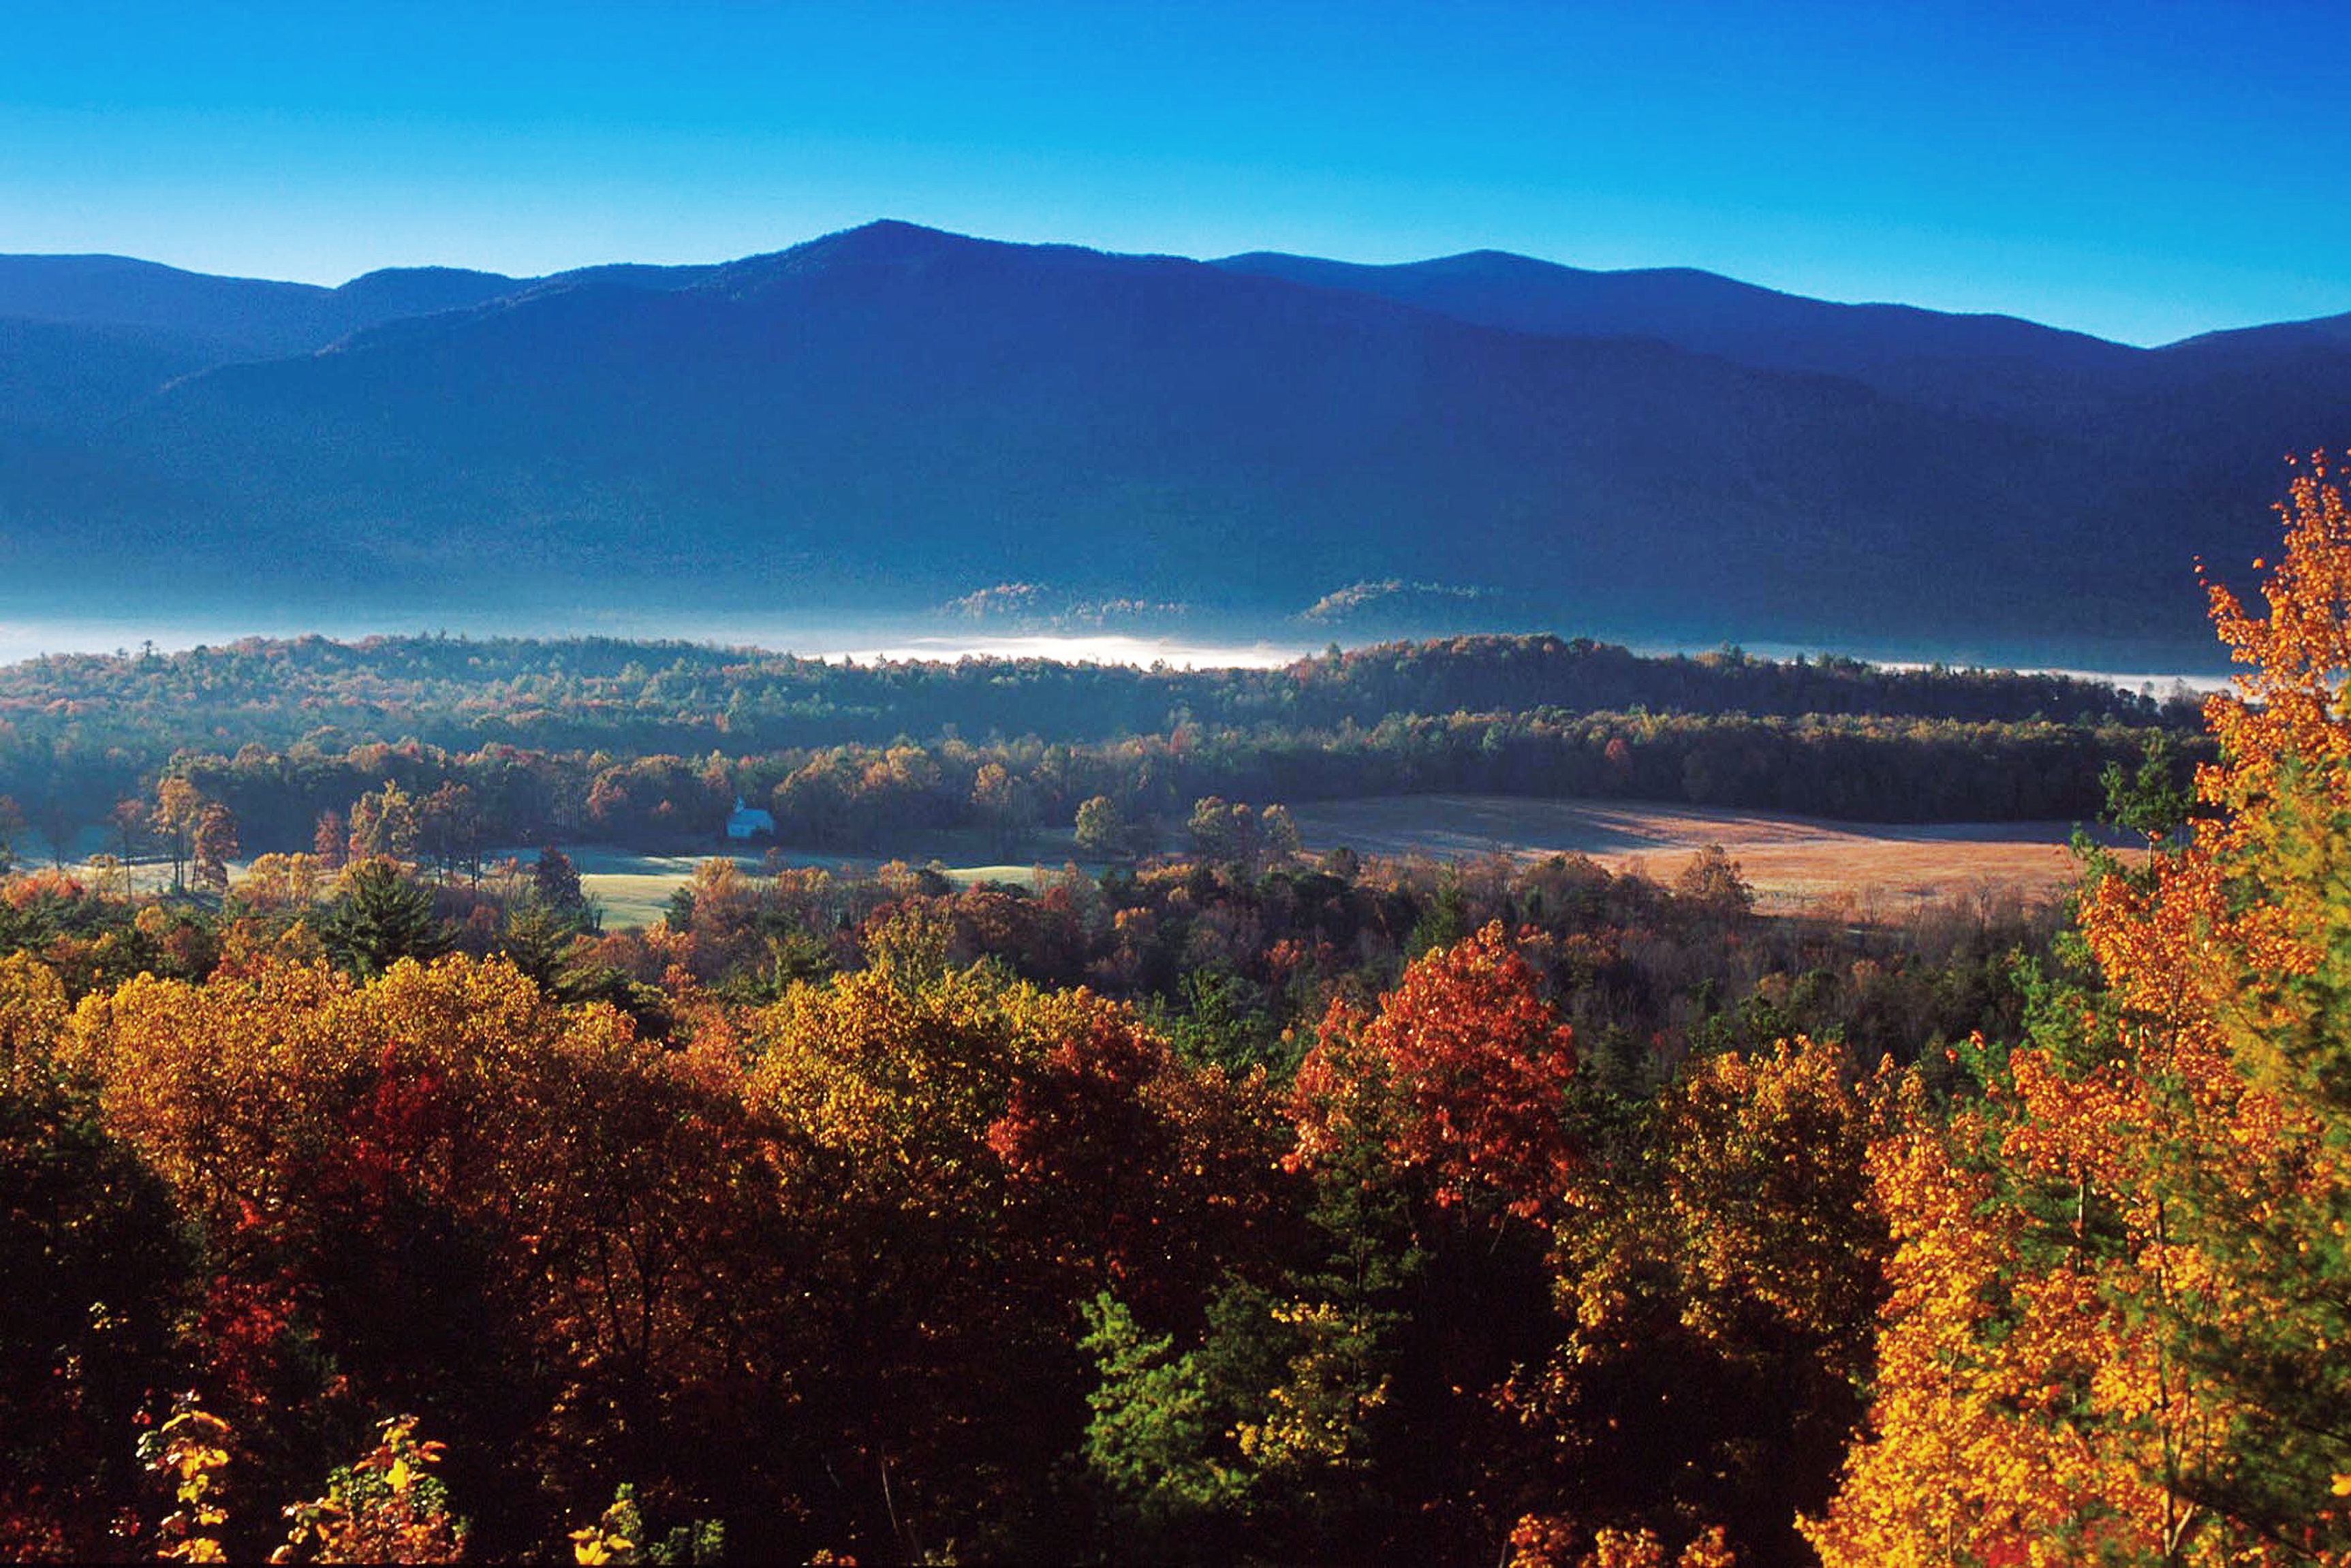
point(1793, 862)
point(1876, 871)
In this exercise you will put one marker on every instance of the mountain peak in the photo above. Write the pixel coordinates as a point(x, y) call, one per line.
point(892, 245)
point(900, 231)
point(393, 292)
point(385, 276)
point(884, 240)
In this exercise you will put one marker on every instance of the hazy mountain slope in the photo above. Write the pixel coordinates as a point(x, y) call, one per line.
point(2216, 399)
point(2326, 331)
point(637, 275)
point(1975, 363)
point(894, 415)
point(889, 417)
point(397, 292)
point(2160, 454)
point(59, 386)
point(228, 316)
point(227, 319)
point(84, 339)
point(57, 377)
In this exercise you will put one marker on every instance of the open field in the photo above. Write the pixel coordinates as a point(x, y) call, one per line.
point(1793, 862)
point(1881, 870)
point(634, 889)
point(631, 887)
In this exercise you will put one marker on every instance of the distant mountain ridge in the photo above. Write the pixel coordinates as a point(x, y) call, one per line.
point(237, 316)
point(1901, 349)
point(886, 419)
point(245, 317)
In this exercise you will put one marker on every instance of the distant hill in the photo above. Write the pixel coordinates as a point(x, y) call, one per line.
point(2297, 373)
point(1969, 362)
point(229, 319)
point(882, 421)
point(234, 317)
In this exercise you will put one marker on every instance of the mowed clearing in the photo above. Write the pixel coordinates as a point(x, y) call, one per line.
point(1793, 862)
point(634, 888)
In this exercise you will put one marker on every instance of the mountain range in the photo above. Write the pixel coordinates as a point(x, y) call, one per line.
point(892, 420)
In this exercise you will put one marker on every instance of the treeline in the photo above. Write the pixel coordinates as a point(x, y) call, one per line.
point(866, 799)
point(641, 698)
point(1230, 952)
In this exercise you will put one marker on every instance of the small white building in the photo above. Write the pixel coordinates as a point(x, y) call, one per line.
point(748, 822)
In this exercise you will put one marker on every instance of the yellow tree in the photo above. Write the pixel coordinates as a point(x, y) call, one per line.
point(1720, 1278)
point(93, 1262)
point(178, 809)
point(281, 882)
point(959, 1161)
point(2121, 1288)
point(441, 1186)
point(387, 1507)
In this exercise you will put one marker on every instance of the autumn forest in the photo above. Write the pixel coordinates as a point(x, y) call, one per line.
point(366, 1196)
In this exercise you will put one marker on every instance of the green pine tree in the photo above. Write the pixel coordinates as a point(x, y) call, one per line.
point(382, 918)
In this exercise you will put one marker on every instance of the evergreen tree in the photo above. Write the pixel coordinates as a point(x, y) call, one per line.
point(382, 918)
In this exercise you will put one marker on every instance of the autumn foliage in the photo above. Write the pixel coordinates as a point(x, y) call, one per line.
point(2118, 1300)
point(1179, 1216)
point(1461, 1075)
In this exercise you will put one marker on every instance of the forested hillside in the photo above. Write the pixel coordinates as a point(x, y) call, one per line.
point(510, 743)
point(605, 690)
point(1232, 1208)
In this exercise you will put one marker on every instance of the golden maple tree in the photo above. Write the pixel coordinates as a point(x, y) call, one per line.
point(2118, 1298)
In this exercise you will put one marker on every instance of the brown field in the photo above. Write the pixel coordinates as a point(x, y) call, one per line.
point(1866, 871)
point(1881, 869)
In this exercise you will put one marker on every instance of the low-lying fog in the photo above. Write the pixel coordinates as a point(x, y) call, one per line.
point(24, 639)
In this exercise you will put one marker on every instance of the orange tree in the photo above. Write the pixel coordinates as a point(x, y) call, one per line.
point(2122, 1292)
point(1342, 1408)
point(1438, 1134)
point(438, 1191)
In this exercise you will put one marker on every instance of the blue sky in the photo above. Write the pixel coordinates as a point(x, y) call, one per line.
point(2144, 172)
